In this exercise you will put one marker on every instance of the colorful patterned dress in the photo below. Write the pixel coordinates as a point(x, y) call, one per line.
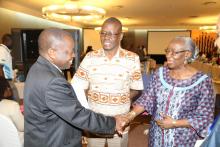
point(190, 99)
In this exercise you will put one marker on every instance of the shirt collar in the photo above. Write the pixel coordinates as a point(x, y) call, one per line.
point(56, 67)
point(117, 55)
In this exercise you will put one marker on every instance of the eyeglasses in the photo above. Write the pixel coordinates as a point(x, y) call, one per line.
point(109, 34)
point(174, 53)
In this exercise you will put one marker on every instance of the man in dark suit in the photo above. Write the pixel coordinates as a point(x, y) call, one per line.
point(53, 115)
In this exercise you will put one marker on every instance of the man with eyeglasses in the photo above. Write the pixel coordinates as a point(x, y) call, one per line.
point(111, 77)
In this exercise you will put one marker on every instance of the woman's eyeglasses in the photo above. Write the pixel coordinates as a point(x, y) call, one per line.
point(173, 53)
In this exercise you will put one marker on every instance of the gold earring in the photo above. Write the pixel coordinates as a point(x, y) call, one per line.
point(185, 61)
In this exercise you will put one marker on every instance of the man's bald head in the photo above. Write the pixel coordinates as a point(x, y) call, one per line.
point(113, 20)
point(51, 38)
point(7, 40)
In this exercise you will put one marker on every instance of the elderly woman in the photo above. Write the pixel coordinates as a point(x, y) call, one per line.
point(179, 98)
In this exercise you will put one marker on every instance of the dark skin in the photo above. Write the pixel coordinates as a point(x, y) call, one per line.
point(58, 50)
point(111, 44)
point(57, 47)
point(8, 42)
point(8, 92)
point(178, 70)
point(1, 71)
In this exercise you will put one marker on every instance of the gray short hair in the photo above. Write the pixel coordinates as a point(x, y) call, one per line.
point(190, 45)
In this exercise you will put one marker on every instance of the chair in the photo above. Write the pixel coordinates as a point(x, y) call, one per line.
point(9, 134)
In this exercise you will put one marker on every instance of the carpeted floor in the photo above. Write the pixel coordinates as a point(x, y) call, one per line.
point(137, 138)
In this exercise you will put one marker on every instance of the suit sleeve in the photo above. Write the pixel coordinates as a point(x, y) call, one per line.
point(61, 99)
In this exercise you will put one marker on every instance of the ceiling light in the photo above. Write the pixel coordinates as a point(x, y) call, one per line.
point(209, 3)
point(124, 29)
point(208, 28)
point(193, 16)
point(71, 11)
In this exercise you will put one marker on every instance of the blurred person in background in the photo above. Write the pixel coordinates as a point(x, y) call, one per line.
point(11, 108)
point(6, 63)
point(5, 57)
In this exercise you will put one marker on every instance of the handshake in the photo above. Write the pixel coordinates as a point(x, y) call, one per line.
point(123, 120)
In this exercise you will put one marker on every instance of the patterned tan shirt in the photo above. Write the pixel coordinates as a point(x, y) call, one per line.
point(109, 81)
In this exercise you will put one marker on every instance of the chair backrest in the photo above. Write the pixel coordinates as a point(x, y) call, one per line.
point(8, 133)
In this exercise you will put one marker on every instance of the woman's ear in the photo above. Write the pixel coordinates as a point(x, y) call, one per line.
point(188, 55)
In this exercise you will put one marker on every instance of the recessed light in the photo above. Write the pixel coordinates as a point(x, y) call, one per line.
point(118, 6)
point(193, 16)
point(209, 3)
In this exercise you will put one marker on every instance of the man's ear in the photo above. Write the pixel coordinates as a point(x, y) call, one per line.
point(121, 36)
point(51, 53)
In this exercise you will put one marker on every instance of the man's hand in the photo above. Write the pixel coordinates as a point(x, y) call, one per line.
point(121, 122)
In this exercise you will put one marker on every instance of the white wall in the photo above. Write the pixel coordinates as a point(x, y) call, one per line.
point(159, 40)
point(12, 19)
point(140, 37)
point(91, 37)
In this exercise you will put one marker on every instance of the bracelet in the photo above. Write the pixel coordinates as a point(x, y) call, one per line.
point(174, 123)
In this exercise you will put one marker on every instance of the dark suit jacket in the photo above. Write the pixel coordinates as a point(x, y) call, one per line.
point(53, 115)
point(213, 140)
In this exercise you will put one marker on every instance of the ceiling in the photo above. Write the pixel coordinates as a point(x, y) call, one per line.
point(137, 13)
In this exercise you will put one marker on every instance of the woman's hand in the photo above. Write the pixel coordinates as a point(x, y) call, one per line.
point(167, 122)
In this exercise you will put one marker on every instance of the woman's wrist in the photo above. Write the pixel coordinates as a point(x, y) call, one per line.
point(174, 123)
